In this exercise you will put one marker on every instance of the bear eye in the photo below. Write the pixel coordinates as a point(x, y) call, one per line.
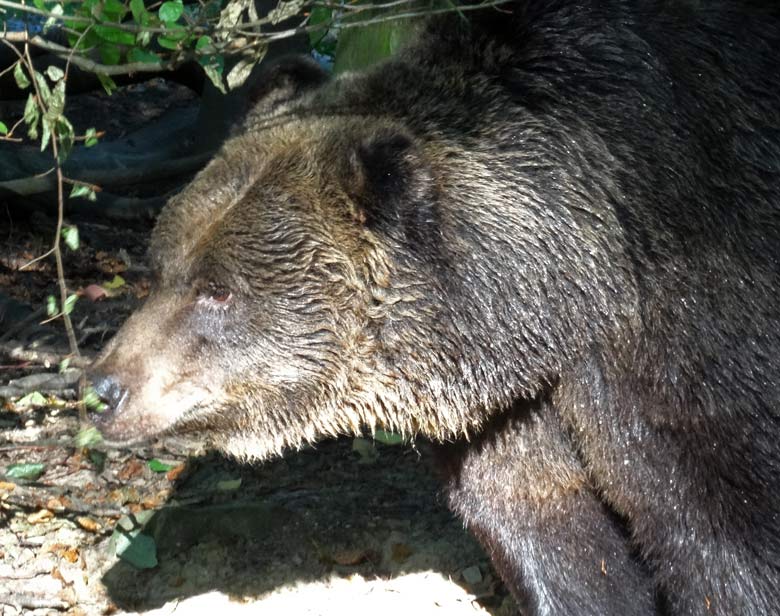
point(218, 293)
point(215, 295)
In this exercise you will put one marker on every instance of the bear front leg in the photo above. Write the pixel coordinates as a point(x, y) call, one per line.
point(522, 491)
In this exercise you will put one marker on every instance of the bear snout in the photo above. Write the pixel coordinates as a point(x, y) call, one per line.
point(111, 391)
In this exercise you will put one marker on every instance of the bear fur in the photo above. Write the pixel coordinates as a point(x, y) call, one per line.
point(546, 237)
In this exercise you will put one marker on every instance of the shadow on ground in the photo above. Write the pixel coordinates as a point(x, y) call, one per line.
point(317, 521)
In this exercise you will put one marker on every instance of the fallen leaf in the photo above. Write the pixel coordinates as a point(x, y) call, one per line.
point(40, 516)
point(6, 486)
point(173, 474)
point(472, 575)
point(131, 544)
point(228, 485)
point(158, 466)
point(133, 468)
point(30, 471)
point(117, 283)
point(399, 552)
point(71, 555)
point(57, 503)
point(366, 450)
point(88, 524)
point(350, 557)
point(94, 292)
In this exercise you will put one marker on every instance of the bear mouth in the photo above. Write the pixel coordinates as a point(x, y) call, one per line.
point(125, 425)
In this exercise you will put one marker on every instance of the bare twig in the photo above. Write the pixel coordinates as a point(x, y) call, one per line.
point(17, 352)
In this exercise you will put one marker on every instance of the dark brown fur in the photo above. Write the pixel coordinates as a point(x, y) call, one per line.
point(549, 241)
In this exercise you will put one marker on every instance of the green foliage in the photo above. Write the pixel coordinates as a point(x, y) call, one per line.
point(131, 544)
point(82, 190)
point(159, 467)
point(92, 401)
point(359, 48)
point(117, 282)
point(229, 485)
point(388, 438)
point(33, 399)
point(51, 306)
point(29, 471)
point(70, 235)
point(70, 302)
point(20, 76)
point(170, 11)
point(3, 129)
point(87, 438)
point(323, 40)
point(90, 139)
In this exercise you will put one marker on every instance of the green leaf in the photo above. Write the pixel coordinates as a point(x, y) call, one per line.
point(159, 467)
point(168, 42)
point(138, 9)
point(57, 100)
point(55, 73)
point(30, 471)
point(388, 438)
point(81, 190)
point(134, 547)
point(51, 306)
point(108, 84)
point(228, 485)
point(284, 10)
point(92, 401)
point(98, 459)
point(70, 302)
point(240, 72)
point(90, 139)
point(359, 48)
point(204, 44)
point(66, 135)
point(170, 11)
point(43, 88)
point(64, 364)
point(214, 66)
point(32, 399)
point(113, 10)
point(87, 437)
point(366, 450)
point(70, 235)
point(20, 76)
point(3, 129)
point(142, 55)
point(143, 38)
point(46, 125)
point(117, 283)
point(109, 53)
point(115, 35)
point(319, 15)
point(55, 11)
point(31, 116)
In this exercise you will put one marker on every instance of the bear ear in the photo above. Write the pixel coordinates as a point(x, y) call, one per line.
point(284, 80)
point(391, 185)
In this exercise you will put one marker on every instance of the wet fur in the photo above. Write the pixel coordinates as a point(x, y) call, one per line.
point(549, 238)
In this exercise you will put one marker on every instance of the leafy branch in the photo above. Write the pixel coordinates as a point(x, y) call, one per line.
point(44, 112)
point(111, 37)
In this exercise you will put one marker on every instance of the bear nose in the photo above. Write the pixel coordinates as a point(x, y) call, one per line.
point(109, 389)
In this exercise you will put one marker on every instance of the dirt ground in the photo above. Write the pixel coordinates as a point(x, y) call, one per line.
point(350, 527)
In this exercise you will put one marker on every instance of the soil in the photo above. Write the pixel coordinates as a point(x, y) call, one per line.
point(352, 526)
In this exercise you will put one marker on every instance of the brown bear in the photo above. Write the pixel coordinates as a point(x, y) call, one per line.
point(547, 237)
